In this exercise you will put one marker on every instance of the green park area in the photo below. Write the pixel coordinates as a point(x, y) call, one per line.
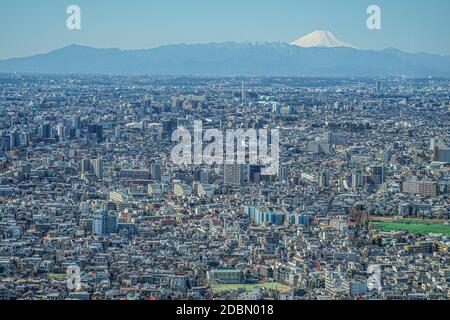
point(57, 276)
point(414, 227)
point(249, 287)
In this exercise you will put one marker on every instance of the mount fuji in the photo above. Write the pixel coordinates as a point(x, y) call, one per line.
point(320, 39)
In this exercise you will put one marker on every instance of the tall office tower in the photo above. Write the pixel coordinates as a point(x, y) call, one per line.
point(177, 104)
point(86, 166)
point(98, 167)
point(378, 175)
point(25, 138)
point(46, 131)
point(104, 224)
point(60, 131)
point(155, 171)
point(168, 126)
point(332, 138)
point(147, 105)
point(96, 130)
point(357, 180)
point(328, 136)
point(233, 174)
point(254, 173)
point(283, 174)
point(378, 86)
point(323, 179)
point(76, 122)
point(197, 174)
point(205, 176)
point(14, 139)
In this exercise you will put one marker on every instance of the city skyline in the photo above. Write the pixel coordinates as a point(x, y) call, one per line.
point(232, 153)
point(411, 26)
point(95, 207)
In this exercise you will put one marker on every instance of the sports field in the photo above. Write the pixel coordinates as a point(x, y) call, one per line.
point(414, 227)
point(57, 276)
point(249, 287)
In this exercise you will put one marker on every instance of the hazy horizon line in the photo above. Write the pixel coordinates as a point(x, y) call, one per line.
point(205, 43)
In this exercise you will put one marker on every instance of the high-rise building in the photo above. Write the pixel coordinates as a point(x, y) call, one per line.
point(378, 87)
point(323, 179)
point(168, 126)
point(283, 174)
point(254, 173)
point(97, 165)
point(357, 180)
point(147, 105)
point(205, 176)
point(5, 143)
point(233, 174)
point(14, 139)
point(86, 166)
point(331, 138)
point(155, 171)
point(104, 224)
point(46, 131)
point(96, 130)
point(378, 175)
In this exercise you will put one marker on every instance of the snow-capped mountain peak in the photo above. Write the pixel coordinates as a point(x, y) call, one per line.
point(320, 39)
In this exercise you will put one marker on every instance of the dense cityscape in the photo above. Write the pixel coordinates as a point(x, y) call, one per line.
point(359, 207)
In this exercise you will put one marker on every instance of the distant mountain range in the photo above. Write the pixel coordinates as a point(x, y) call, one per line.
point(332, 58)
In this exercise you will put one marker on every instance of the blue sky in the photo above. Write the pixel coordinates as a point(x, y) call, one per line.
point(30, 27)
